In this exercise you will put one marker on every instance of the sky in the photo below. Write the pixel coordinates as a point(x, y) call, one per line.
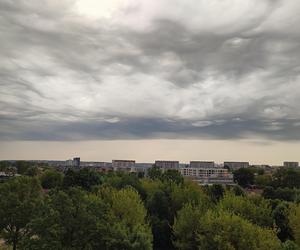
point(145, 79)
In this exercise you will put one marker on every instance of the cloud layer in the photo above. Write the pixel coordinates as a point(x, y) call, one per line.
point(81, 70)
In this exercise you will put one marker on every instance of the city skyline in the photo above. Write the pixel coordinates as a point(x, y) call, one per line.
point(150, 79)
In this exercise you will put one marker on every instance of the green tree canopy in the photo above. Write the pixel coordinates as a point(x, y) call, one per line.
point(172, 175)
point(280, 215)
point(286, 178)
point(66, 220)
point(154, 173)
point(254, 209)
point(19, 199)
point(85, 178)
point(75, 219)
point(244, 177)
point(23, 166)
point(294, 222)
point(51, 179)
point(127, 227)
point(220, 231)
point(215, 192)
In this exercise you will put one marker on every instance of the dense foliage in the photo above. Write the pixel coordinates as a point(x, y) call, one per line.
point(85, 209)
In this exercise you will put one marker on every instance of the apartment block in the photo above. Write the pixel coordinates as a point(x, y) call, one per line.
point(202, 164)
point(167, 164)
point(123, 165)
point(208, 176)
point(291, 164)
point(234, 165)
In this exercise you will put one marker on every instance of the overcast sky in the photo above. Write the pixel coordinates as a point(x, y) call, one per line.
point(147, 71)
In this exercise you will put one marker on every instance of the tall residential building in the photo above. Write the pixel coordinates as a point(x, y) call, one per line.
point(167, 164)
point(202, 164)
point(234, 165)
point(291, 164)
point(76, 162)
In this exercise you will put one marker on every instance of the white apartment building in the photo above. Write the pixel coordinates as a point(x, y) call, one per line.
point(206, 176)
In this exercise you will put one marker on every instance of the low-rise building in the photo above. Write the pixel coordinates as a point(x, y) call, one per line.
point(208, 176)
point(4, 176)
point(123, 165)
point(234, 165)
point(98, 166)
point(142, 168)
point(291, 164)
point(69, 163)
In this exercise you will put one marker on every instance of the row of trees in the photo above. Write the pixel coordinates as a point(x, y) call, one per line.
point(283, 184)
point(88, 210)
point(281, 178)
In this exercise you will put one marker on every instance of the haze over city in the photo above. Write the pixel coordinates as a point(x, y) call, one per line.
point(145, 80)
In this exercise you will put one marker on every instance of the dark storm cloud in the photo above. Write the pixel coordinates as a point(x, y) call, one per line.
point(174, 74)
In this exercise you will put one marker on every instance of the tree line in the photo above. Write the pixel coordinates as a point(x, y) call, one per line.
point(47, 209)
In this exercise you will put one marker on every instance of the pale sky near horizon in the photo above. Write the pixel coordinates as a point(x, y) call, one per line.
point(257, 152)
point(145, 79)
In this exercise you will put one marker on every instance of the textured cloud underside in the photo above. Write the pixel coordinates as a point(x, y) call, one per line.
point(76, 70)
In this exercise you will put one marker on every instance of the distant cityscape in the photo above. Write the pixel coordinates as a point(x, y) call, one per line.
point(202, 172)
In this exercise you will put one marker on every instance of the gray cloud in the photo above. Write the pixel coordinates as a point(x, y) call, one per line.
point(153, 70)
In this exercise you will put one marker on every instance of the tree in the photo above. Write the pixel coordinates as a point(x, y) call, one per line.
point(172, 175)
point(253, 209)
point(158, 204)
point(66, 220)
point(280, 215)
point(290, 245)
point(23, 166)
point(286, 194)
point(19, 199)
point(244, 177)
point(32, 171)
point(263, 180)
point(154, 173)
point(189, 193)
point(85, 178)
point(164, 200)
point(186, 226)
point(238, 191)
point(126, 228)
point(294, 222)
point(226, 231)
point(215, 192)
point(4, 165)
point(51, 179)
point(221, 231)
point(122, 180)
point(286, 178)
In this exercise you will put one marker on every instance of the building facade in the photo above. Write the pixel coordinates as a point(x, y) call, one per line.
point(167, 164)
point(202, 164)
point(76, 162)
point(123, 165)
point(291, 164)
point(208, 176)
point(234, 165)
